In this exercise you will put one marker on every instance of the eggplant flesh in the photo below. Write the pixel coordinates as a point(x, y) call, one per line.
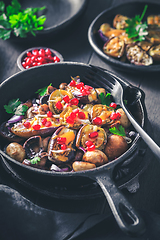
point(136, 55)
point(119, 22)
point(114, 47)
point(155, 52)
point(56, 153)
point(102, 111)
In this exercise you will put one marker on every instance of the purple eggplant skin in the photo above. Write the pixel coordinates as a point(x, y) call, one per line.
point(102, 36)
point(58, 158)
point(136, 55)
point(7, 134)
point(33, 146)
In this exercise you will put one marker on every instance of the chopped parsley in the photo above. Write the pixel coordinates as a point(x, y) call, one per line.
point(118, 131)
point(136, 29)
point(34, 160)
point(15, 107)
point(105, 100)
point(43, 91)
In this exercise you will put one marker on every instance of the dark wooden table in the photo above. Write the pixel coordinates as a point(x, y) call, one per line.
point(74, 46)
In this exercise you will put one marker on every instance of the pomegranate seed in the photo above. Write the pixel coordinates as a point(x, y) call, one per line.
point(81, 115)
point(59, 105)
point(40, 59)
point(44, 120)
point(33, 58)
point(89, 143)
point(72, 83)
point(56, 59)
point(27, 124)
point(36, 127)
point(63, 147)
point(74, 101)
point(27, 67)
point(48, 124)
point(66, 98)
point(72, 115)
point(113, 105)
point(91, 148)
point(42, 52)
point(28, 61)
point(97, 121)
point(76, 110)
point(34, 64)
point(61, 140)
point(24, 64)
point(48, 51)
point(93, 134)
point(49, 114)
point(35, 52)
point(80, 85)
point(29, 54)
point(115, 116)
point(88, 87)
point(70, 120)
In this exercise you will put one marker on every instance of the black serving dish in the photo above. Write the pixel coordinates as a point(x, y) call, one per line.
point(23, 85)
point(129, 9)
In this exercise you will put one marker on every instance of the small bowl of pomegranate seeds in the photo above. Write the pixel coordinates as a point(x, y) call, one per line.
point(38, 56)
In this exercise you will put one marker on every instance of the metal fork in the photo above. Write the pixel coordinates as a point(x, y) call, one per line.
point(113, 86)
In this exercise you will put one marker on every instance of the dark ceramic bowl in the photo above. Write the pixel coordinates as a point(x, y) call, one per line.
point(23, 55)
point(129, 9)
point(23, 85)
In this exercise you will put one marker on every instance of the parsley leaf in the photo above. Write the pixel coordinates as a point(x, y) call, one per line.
point(118, 131)
point(15, 107)
point(42, 91)
point(136, 29)
point(19, 21)
point(34, 160)
point(105, 100)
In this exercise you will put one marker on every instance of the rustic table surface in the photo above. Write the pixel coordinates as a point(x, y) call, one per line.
point(74, 46)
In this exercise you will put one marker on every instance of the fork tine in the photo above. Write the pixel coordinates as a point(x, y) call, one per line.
point(92, 81)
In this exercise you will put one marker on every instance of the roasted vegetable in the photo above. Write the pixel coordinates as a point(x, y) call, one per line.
point(136, 55)
point(119, 21)
point(102, 111)
point(16, 151)
point(61, 147)
point(155, 52)
point(96, 157)
point(91, 135)
point(82, 166)
point(114, 47)
point(153, 20)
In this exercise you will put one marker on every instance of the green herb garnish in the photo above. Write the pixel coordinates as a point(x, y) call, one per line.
point(118, 131)
point(34, 160)
point(15, 107)
point(136, 29)
point(42, 91)
point(105, 100)
point(21, 22)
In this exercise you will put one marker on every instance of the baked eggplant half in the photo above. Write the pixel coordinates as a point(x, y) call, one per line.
point(103, 112)
point(91, 136)
point(114, 47)
point(119, 21)
point(136, 55)
point(61, 147)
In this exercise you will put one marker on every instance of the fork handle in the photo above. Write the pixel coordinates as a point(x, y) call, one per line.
point(147, 139)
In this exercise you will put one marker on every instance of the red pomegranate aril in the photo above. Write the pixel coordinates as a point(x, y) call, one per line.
point(72, 83)
point(76, 110)
point(49, 114)
point(91, 148)
point(81, 115)
point(34, 64)
point(36, 127)
point(80, 85)
point(35, 52)
point(27, 67)
point(63, 147)
point(27, 124)
point(97, 121)
point(48, 51)
point(113, 105)
point(87, 87)
point(66, 98)
point(74, 101)
point(69, 120)
point(24, 64)
point(59, 105)
point(115, 116)
point(33, 58)
point(72, 115)
point(61, 140)
point(93, 134)
point(89, 143)
point(48, 124)
point(28, 61)
point(29, 54)
point(56, 59)
point(41, 52)
point(44, 120)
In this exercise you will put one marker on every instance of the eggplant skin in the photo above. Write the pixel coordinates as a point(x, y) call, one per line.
point(136, 55)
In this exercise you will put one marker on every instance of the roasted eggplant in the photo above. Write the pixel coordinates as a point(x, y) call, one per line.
point(119, 21)
point(91, 136)
point(155, 52)
point(153, 20)
point(103, 112)
point(114, 47)
point(136, 55)
point(61, 147)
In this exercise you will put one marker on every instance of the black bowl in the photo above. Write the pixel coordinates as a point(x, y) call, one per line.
point(129, 9)
point(24, 54)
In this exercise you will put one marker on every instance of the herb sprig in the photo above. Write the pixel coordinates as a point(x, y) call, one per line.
point(118, 131)
point(136, 29)
point(42, 91)
point(19, 21)
point(15, 107)
point(105, 100)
